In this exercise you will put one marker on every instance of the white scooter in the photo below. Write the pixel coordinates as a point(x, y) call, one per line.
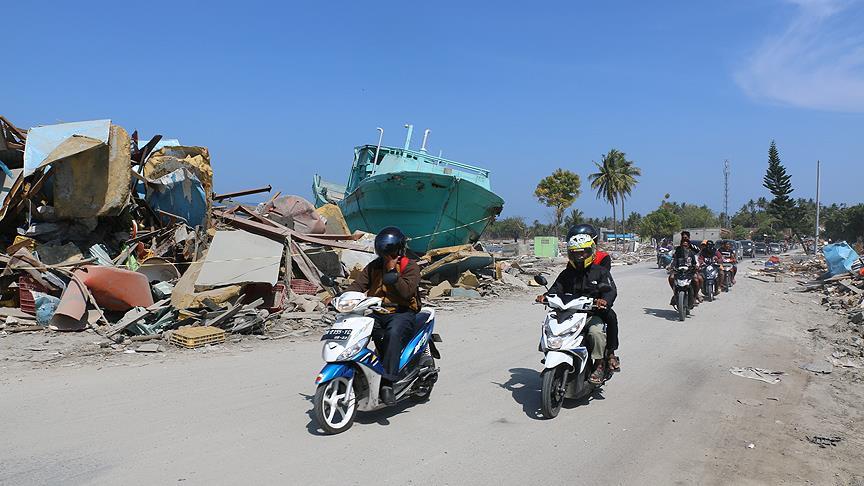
point(567, 360)
point(351, 379)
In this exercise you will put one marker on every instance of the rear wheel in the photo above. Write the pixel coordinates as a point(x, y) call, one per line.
point(335, 405)
point(425, 390)
point(682, 305)
point(553, 391)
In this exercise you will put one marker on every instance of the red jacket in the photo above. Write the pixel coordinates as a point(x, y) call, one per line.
point(603, 259)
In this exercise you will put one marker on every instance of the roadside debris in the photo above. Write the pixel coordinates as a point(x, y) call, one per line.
point(104, 232)
point(768, 376)
point(824, 442)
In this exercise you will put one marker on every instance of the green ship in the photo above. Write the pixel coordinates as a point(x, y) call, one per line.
point(436, 202)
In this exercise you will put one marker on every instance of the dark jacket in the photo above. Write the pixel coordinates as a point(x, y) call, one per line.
point(585, 282)
point(681, 258)
point(402, 294)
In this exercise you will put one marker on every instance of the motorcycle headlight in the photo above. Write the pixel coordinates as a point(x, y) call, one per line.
point(347, 305)
point(554, 342)
point(352, 350)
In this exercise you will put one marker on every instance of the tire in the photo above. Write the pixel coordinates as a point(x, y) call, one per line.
point(421, 397)
point(682, 305)
point(323, 406)
point(552, 391)
point(710, 292)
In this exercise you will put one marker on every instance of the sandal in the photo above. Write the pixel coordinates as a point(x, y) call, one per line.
point(598, 375)
point(614, 363)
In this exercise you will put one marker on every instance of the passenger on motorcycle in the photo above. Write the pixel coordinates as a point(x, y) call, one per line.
point(708, 255)
point(582, 278)
point(727, 255)
point(396, 279)
point(603, 259)
point(684, 257)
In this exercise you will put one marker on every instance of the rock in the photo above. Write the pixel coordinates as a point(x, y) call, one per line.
point(822, 367)
point(465, 293)
point(149, 348)
point(441, 290)
point(513, 281)
point(468, 281)
point(857, 318)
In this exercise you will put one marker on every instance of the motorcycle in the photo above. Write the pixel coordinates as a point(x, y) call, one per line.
point(710, 273)
point(726, 266)
point(683, 291)
point(664, 257)
point(351, 379)
point(567, 360)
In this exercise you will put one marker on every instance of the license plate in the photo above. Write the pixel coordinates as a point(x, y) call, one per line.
point(336, 335)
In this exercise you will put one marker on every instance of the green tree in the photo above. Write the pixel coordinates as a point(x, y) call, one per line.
point(779, 183)
point(628, 177)
point(507, 227)
point(574, 217)
point(740, 232)
point(559, 191)
point(844, 223)
point(606, 181)
point(660, 223)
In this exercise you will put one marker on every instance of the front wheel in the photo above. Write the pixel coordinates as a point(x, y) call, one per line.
point(709, 287)
point(553, 391)
point(682, 305)
point(335, 405)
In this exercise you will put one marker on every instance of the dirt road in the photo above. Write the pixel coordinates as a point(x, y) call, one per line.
point(675, 415)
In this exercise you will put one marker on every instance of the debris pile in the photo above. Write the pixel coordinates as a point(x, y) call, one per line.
point(103, 232)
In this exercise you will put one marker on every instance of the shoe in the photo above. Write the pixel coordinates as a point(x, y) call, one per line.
point(597, 376)
point(614, 364)
point(387, 395)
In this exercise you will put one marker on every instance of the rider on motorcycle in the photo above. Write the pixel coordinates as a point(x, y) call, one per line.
point(684, 257)
point(583, 278)
point(396, 279)
point(603, 259)
point(708, 255)
point(727, 255)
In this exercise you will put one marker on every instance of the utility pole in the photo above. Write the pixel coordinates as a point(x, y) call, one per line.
point(816, 239)
point(726, 172)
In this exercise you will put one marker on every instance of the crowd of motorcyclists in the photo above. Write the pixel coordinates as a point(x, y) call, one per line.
point(695, 260)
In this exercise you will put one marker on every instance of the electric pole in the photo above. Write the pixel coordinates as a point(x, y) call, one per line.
point(726, 172)
point(816, 239)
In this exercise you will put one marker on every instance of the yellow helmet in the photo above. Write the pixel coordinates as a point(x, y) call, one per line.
point(580, 250)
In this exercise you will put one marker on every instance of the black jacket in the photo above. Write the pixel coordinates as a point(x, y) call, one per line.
point(585, 282)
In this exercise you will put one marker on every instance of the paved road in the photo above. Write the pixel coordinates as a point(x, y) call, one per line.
point(244, 417)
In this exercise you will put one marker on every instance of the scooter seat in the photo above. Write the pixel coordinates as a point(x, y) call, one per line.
point(421, 319)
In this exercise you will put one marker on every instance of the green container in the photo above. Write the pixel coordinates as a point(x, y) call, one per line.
point(546, 246)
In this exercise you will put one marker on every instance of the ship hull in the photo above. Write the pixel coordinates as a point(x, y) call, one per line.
point(433, 210)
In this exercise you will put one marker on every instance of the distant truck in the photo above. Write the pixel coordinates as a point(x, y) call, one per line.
point(699, 234)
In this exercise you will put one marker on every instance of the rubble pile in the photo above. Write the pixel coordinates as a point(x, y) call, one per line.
point(105, 233)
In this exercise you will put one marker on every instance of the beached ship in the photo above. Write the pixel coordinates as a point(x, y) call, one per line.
point(436, 202)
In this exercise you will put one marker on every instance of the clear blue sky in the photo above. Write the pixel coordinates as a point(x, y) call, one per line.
point(281, 90)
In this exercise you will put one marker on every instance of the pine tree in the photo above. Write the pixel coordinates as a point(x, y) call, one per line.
point(782, 207)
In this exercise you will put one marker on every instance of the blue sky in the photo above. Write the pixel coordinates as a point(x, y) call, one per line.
point(281, 90)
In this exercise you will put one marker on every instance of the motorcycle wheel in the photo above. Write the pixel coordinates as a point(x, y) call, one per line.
point(335, 405)
point(423, 396)
point(682, 305)
point(553, 391)
point(710, 295)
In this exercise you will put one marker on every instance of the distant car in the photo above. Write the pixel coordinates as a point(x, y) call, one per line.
point(774, 248)
point(760, 248)
point(747, 248)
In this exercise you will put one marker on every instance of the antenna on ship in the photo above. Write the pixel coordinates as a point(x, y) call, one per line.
point(425, 137)
point(410, 128)
point(378, 148)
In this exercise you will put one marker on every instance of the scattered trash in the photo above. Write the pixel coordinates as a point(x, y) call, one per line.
point(751, 446)
point(768, 376)
point(824, 442)
point(149, 348)
point(819, 367)
point(749, 402)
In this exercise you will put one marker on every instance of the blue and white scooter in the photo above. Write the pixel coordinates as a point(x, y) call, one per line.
point(351, 379)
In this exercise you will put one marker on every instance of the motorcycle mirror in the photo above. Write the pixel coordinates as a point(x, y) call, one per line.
point(604, 288)
point(540, 279)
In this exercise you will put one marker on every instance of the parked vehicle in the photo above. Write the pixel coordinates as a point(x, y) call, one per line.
point(760, 248)
point(683, 291)
point(351, 379)
point(774, 248)
point(567, 360)
point(747, 248)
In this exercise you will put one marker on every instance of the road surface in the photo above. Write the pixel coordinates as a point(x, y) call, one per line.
point(672, 416)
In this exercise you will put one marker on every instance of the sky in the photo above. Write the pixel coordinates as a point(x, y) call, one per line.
point(279, 91)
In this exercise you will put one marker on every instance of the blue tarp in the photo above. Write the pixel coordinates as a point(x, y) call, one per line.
point(840, 257)
point(179, 193)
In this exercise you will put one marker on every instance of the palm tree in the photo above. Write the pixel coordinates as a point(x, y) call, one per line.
point(575, 217)
point(628, 174)
point(606, 181)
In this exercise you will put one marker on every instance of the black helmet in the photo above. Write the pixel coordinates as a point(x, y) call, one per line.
point(583, 229)
point(390, 241)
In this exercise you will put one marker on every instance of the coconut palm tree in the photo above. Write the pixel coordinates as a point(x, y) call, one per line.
point(606, 181)
point(628, 175)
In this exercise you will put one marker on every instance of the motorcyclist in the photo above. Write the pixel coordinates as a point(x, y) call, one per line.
point(582, 278)
point(396, 279)
point(727, 254)
point(603, 259)
point(708, 254)
point(684, 257)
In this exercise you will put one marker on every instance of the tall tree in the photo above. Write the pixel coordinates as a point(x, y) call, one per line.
point(779, 183)
point(559, 191)
point(574, 217)
point(606, 182)
point(628, 178)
